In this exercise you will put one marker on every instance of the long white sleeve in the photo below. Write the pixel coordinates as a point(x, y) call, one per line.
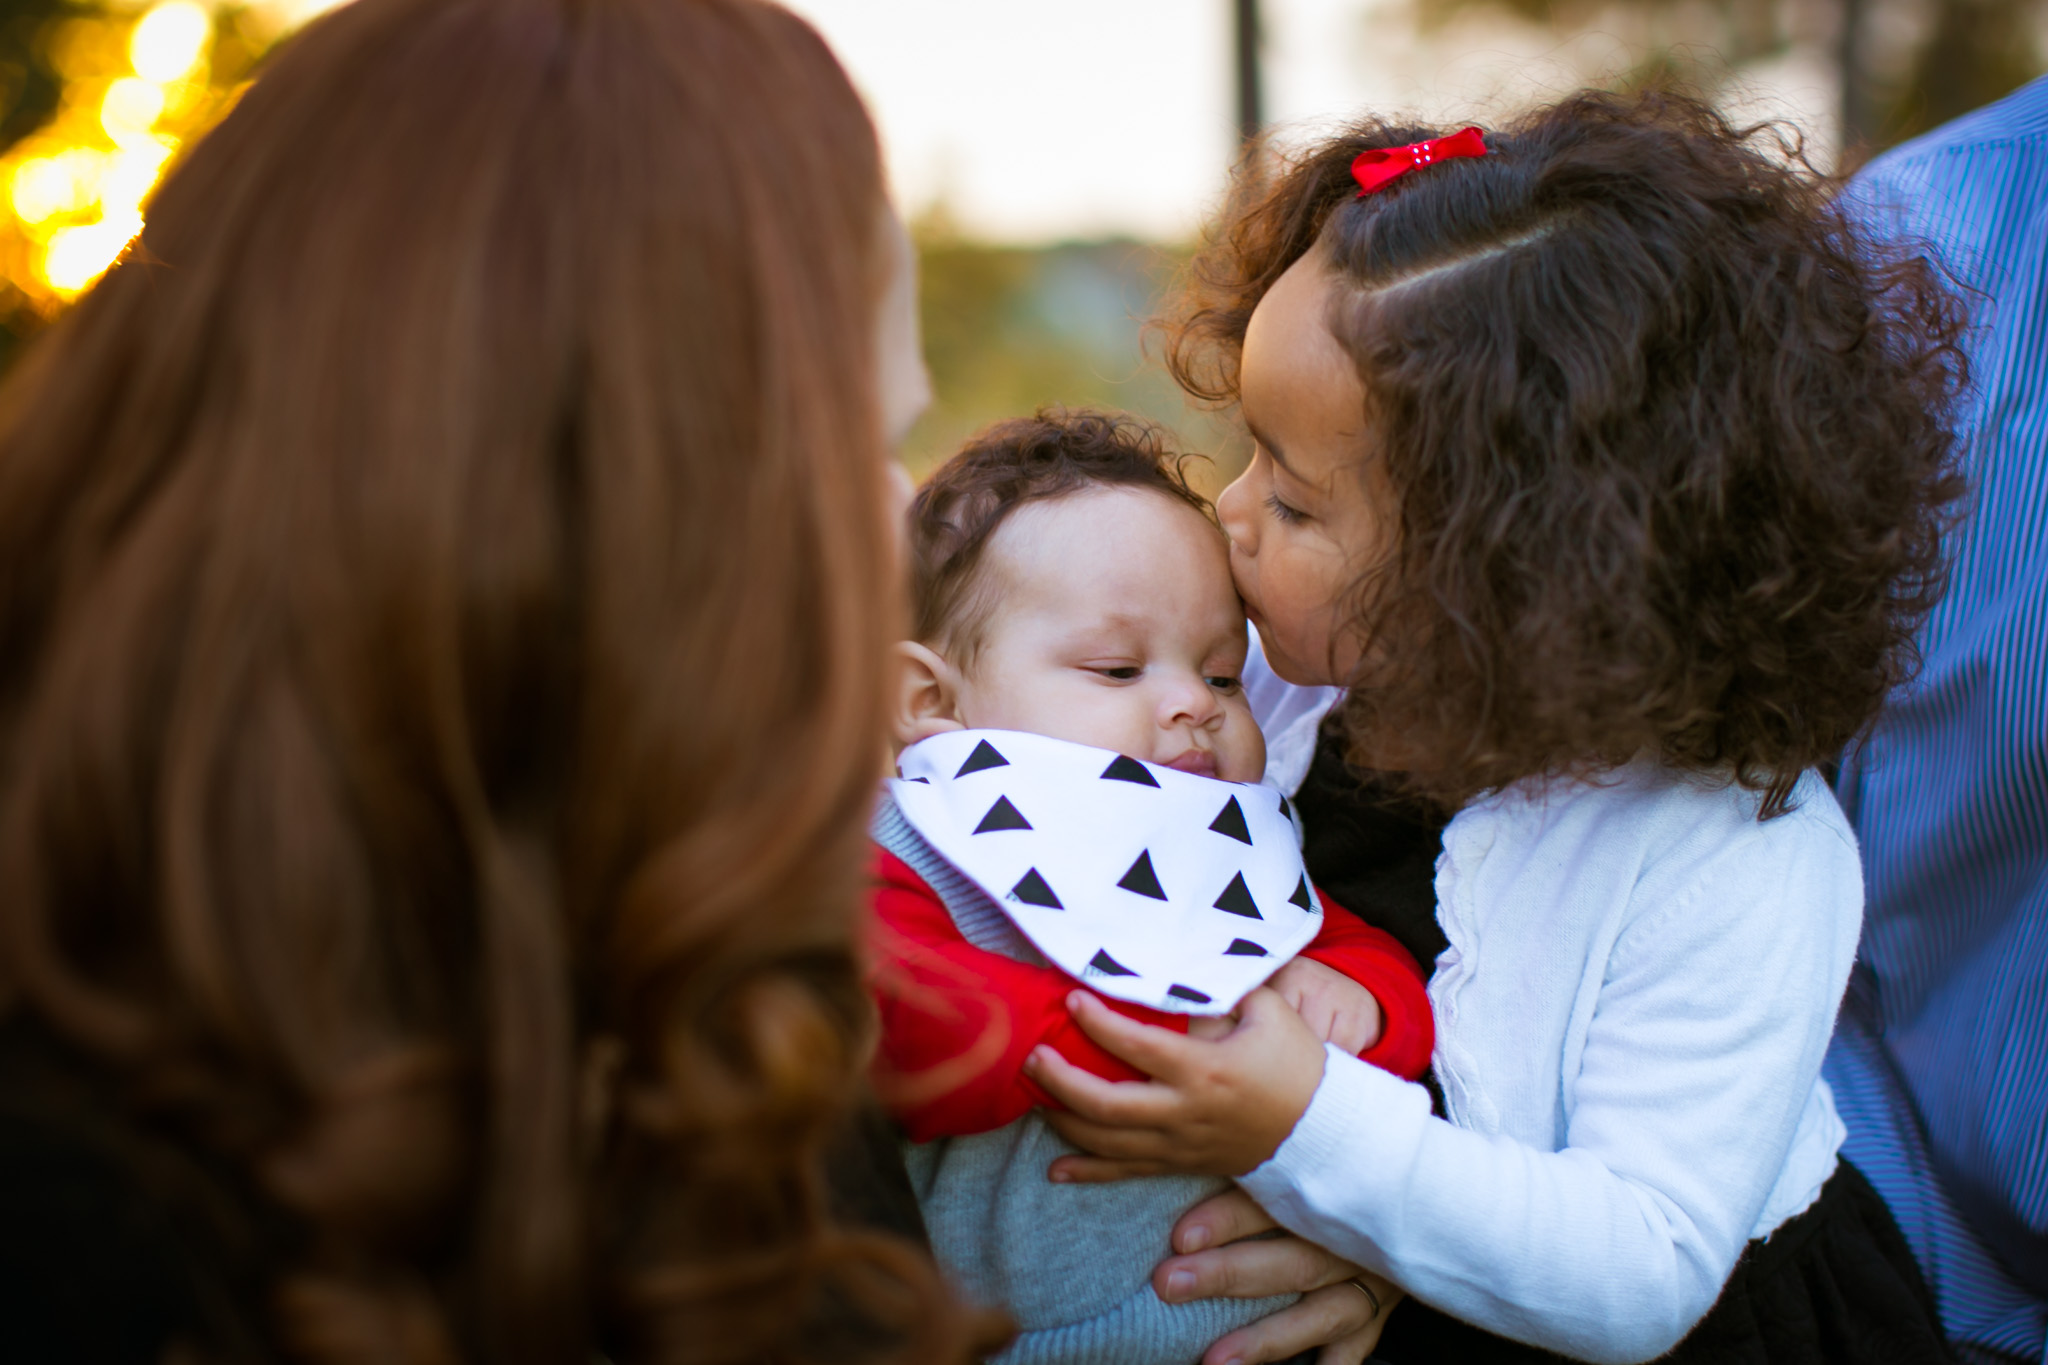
point(1631, 1042)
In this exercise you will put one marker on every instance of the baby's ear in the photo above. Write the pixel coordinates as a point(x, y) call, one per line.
point(927, 694)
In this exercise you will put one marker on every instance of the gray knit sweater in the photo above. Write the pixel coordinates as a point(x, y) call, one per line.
point(1071, 1263)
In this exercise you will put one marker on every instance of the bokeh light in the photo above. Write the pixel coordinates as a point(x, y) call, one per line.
point(169, 41)
point(138, 83)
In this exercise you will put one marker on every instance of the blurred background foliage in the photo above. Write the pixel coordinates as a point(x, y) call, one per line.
point(1008, 329)
point(97, 96)
point(1902, 67)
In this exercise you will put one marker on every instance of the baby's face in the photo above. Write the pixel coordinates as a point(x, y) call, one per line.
point(1116, 625)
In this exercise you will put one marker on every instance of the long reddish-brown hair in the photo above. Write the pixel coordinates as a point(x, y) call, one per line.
point(444, 585)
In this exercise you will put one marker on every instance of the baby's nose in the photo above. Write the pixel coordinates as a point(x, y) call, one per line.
point(1191, 701)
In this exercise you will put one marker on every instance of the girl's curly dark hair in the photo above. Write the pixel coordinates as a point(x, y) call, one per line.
point(1669, 439)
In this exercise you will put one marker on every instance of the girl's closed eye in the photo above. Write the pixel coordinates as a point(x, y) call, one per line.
point(1224, 683)
point(1293, 516)
point(1118, 672)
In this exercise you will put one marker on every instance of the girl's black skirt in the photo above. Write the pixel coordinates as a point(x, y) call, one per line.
point(1836, 1285)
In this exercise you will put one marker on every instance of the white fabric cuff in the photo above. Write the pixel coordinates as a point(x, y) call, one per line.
point(1355, 1147)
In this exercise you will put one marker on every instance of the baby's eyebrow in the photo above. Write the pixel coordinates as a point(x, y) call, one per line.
point(1117, 620)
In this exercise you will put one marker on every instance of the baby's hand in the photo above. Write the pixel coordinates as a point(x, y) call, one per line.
point(1336, 1008)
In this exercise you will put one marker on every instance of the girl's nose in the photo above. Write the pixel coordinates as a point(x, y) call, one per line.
point(1234, 511)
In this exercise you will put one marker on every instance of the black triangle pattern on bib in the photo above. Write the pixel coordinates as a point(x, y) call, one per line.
point(1230, 822)
point(1123, 769)
point(1001, 816)
point(1032, 890)
point(1142, 879)
point(1102, 962)
point(994, 806)
point(983, 757)
point(1237, 899)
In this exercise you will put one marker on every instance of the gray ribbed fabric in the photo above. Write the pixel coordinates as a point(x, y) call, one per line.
point(1071, 1263)
point(975, 914)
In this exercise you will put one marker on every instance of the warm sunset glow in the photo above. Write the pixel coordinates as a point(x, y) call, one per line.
point(169, 41)
point(137, 87)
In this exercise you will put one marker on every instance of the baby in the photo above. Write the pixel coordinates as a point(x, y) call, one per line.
point(1075, 806)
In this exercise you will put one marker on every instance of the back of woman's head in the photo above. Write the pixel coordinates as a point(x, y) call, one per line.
point(444, 586)
point(1666, 440)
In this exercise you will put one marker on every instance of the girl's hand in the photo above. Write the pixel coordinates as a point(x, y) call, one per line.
point(1332, 1313)
point(1211, 1108)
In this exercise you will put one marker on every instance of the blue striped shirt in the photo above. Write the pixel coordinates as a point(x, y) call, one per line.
point(1940, 1065)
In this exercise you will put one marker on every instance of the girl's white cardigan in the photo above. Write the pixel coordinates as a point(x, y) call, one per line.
point(1631, 1016)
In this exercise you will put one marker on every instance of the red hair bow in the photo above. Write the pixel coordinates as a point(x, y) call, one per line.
point(1375, 168)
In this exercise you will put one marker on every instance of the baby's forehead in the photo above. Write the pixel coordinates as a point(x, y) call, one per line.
point(1122, 556)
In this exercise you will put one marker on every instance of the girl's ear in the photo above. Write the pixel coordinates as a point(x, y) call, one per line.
point(927, 694)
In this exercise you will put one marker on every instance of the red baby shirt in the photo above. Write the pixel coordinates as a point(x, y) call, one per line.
point(958, 1021)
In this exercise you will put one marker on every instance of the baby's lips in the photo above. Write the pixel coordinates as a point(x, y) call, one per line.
point(1200, 762)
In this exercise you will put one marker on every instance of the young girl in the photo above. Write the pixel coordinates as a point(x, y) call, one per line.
point(1603, 467)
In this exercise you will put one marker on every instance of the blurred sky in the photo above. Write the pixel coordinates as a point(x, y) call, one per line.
point(1040, 120)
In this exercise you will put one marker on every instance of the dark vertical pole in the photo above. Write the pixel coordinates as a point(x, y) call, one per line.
point(1251, 113)
point(1856, 112)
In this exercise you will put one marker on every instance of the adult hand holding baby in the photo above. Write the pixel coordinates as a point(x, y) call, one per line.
point(1221, 1105)
point(1227, 1250)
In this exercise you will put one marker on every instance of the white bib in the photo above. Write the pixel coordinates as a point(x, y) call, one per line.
point(1152, 885)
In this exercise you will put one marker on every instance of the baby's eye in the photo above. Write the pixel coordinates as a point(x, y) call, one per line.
point(1223, 684)
point(1122, 672)
point(1293, 516)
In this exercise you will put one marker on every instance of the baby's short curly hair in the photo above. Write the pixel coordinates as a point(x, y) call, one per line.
point(1668, 440)
point(965, 502)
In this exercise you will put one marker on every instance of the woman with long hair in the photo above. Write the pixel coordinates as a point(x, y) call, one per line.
point(444, 582)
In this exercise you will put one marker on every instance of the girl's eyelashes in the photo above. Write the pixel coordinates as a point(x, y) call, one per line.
point(1119, 672)
point(1224, 684)
point(1293, 516)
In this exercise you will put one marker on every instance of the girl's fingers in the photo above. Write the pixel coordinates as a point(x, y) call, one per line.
point(1338, 1316)
point(1155, 1051)
point(1113, 1141)
point(1095, 1170)
point(1224, 1218)
point(1111, 1102)
point(1250, 1270)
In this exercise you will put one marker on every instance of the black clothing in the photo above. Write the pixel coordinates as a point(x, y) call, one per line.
point(866, 1179)
point(1836, 1285)
point(1373, 851)
point(115, 1241)
point(1370, 849)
